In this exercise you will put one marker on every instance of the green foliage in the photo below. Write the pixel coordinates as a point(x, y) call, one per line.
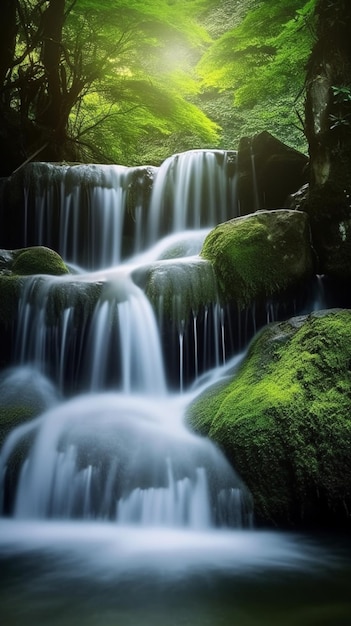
point(262, 62)
point(142, 95)
point(91, 80)
point(341, 93)
point(135, 81)
point(284, 419)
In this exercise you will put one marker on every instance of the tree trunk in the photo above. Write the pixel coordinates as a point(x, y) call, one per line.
point(328, 130)
point(52, 24)
point(328, 102)
point(8, 31)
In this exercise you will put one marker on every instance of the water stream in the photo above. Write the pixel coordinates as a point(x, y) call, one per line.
point(112, 511)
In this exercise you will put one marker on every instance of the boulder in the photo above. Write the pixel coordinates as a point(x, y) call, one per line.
point(260, 255)
point(268, 172)
point(38, 260)
point(30, 261)
point(284, 420)
point(178, 288)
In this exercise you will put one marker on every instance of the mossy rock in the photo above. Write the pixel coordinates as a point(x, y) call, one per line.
point(284, 421)
point(10, 289)
point(58, 295)
point(260, 255)
point(24, 395)
point(176, 289)
point(38, 260)
point(14, 415)
point(10, 417)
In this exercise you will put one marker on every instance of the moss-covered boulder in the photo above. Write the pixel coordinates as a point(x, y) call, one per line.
point(30, 261)
point(260, 255)
point(12, 416)
point(25, 393)
point(38, 260)
point(53, 294)
point(284, 420)
point(178, 288)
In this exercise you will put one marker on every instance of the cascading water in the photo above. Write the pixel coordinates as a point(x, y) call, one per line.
point(192, 190)
point(95, 216)
point(111, 510)
point(85, 212)
point(122, 455)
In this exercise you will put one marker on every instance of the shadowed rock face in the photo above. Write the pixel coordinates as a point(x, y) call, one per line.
point(284, 420)
point(268, 172)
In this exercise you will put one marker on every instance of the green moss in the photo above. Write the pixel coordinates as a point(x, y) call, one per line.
point(81, 297)
point(12, 416)
point(10, 289)
point(285, 419)
point(38, 260)
point(260, 255)
point(177, 288)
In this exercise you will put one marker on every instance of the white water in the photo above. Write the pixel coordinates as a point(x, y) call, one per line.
point(120, 515)
point(124, 458)
point(109, 553)
point(84, 212)
point(192, 190)
point(118, 450)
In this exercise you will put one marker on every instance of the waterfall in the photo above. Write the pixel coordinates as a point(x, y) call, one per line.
point(120, 334)
point(83, 212)
point(97, 215)
point(192, 190)
point(111, 444)
point(115, 457)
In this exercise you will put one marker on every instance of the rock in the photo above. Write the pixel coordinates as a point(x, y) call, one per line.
point(24, 394)
point(52, 294)
point(284, 420)
point(329, 210)
point(30, 261)
point(259, 255)
point(38, 260)
point(268, 172)
point(178, 288)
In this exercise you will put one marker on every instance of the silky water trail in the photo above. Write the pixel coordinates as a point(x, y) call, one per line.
point(120, 515)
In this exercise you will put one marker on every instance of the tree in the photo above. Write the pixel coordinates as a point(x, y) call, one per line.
point(260, 64)
point(328, 94)
point(328, 130)
point(84, 79)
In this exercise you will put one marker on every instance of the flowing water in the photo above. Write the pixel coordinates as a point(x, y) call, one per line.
point(112, 511)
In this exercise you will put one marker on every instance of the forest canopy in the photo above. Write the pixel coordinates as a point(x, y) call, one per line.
point(132, 81)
